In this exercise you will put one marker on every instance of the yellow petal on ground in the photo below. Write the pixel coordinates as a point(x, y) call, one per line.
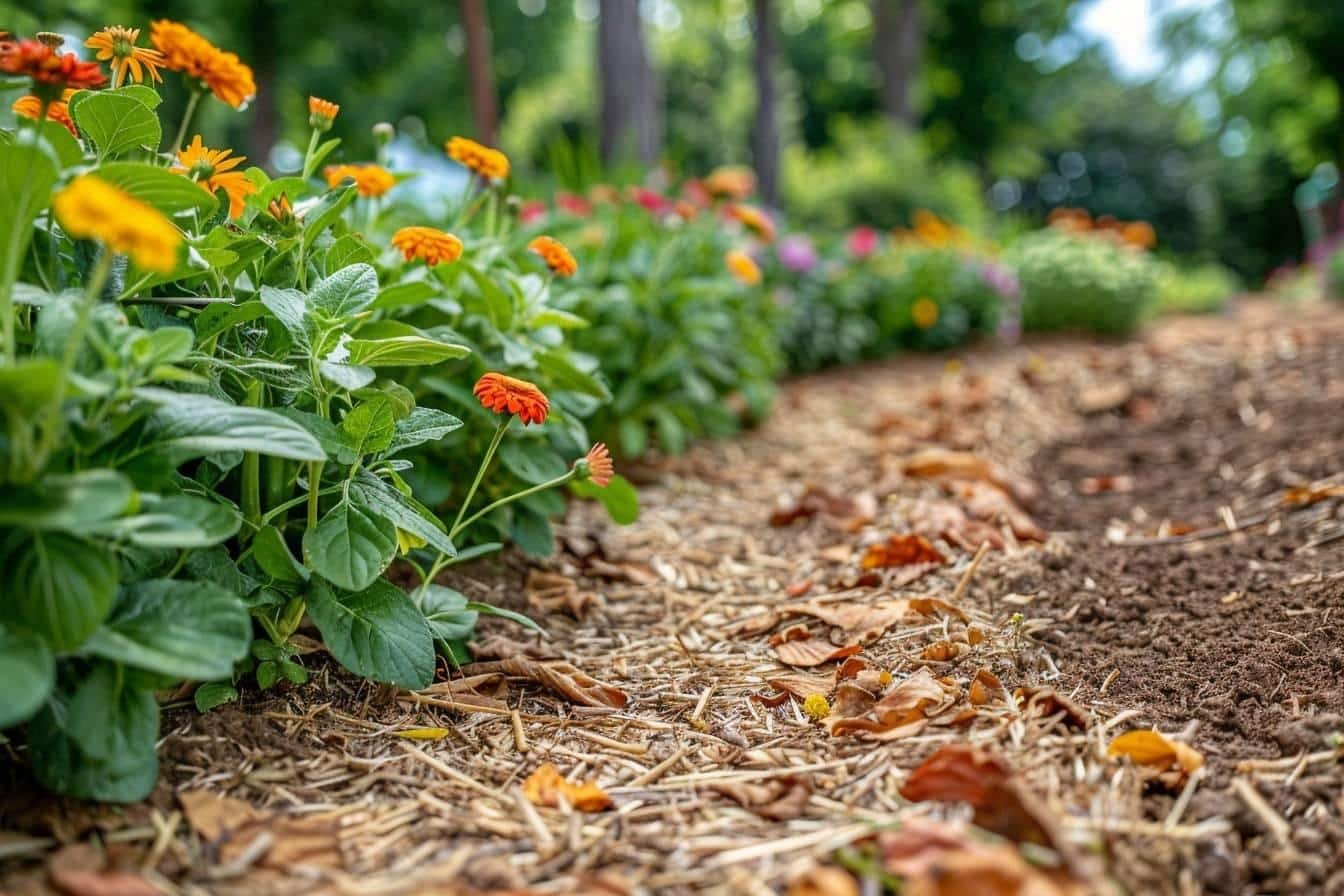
point(423, 733)
point(1152, 749)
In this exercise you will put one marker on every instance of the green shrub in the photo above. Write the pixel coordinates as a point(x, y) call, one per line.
point(1334, 274)
point(1082, 282)
point(1198, 289)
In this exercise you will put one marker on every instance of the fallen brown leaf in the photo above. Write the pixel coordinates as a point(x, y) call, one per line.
point(937, 859)
point(849, 513)
point(901, 712)
point(551, 592)
point(1306, 495)
point(802, 684)
point(985, 688)
point(813, 653)
point(901, 550)
point(932, 606)
point(546, 786)
point(949, 522)
point(939, 463)
point(1160, 759)
point(1046, 702)
point(994, 506)
point(233, 826)
point(777, 799)
point(825, 880)
point(564, 678)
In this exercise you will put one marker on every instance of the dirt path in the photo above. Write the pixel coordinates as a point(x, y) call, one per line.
point(720, 782)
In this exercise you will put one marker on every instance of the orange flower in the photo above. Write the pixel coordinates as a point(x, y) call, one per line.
point(321, 113)
point(754, 220)
point(506, 395)
point(370, 180)
point(596, 466)
point(427, 244)
point(57, 111)
point(1139, 234)
point(117, 44)
point(924, 312)
point(741, 265)
point(731, 182)
point(185, 51)
point(51, 72)
point(213, 170)
point(557, 257)
point(280, 209)
point(490, 164)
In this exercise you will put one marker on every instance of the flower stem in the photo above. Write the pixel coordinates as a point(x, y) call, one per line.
point(308, 161)
point(186, 120)
point(509, 499)
point(251, 496)
point(480, 473)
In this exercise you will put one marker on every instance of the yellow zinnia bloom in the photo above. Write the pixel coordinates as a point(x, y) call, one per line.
point(185, 51)
point(117, 45)
point(741, 266)
point(490, 164)
point(427, 244)
point(924, 312)
point(91, 208)
point(370, 180)
point(213, 170)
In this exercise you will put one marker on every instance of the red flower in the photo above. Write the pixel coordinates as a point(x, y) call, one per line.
point(652, 202)
point(599, 467)
point(506, 395)
point(531, 212)
point(51, 72)
point(573, 204)
point(862, 241)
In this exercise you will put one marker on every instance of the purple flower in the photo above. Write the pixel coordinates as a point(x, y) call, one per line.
point(797, 254)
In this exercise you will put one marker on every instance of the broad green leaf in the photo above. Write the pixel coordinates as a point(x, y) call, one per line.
point(322, 429)
point(69, 502)
point(112, 718)
point(194, 630)
point(318, 216)
point(619, 498)
point(420, 426)
point(554, 317)
point(498, 303)
point(171, 193)
point(195, 425)
point(68, 151)
point(565, 374)
point(349, 547)
point(369, 427)
point(27, 674)
point(385, 502)
point(491, 610)
point(345, 293)
point(350, 377)
point(58, 586)
point(403, 351)
point(532, 532)
point(28, 171)
point(178, 521)
point(221, 316)
point(60, 764)
point(141, 92)
point(531, 460)
point(405, 294)
point(447, 614)
point(214, 693)
point(377, 633)
point(116, 122)
point(349, 249)
point(291, 309)
point(274, 557)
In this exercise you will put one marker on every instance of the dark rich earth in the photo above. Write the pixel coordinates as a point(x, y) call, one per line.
point(1235, 641)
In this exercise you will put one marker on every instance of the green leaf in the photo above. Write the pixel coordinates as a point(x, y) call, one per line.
point(214, 693)
point(58, 586)
point(405, 294)
point(113, 719)
point(619, 498)
point(350, 377)
point(116, 122)
point(274, 557)
point(193, 630)
point(28, 171)
point(27, 675)
point(532, 532)
point(67, 149)
point(350, 547)
point(405, 513)
point(377, 633)
point(322, 429)
point(59, 762)
point(66, 502)
point(221, 316)
point(554, 317)
point(420, 426)
point(171, 193)
point(446, 612)
point(320, 215)
point(196, 425)
point(403, 351)
point(498, 303)
point(268, 673)
point(178, 521)
point(346, 292)
point(291, 309)
point(531, 460)
point(349, 249)
point(564, 374)
point(489, 610)
point(369, 427)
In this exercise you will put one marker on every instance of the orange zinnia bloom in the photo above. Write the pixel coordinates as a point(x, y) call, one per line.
point(741, 265)
point(117, 44)
point(321, 113)
point(559, 259)
point(1139, 234)
point(427, 244)
point(731, 182)
point(185, 51)
point(506, 395)
point(370, 180)
point(213, 170)
point(51, 72)
point(754, 220)
point(490, 164)
point(57, 111)
point(598, 466)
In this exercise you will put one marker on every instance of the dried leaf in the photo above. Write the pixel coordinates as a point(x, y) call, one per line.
point(545, 787)
point(634, 573)
point(985, 688)
point(772, 700)
point(1306, 495)
point(850, 668)
point(74, 882)
point(777, 799)
point(564, 678)
point(846, 512)
point(901, 550)
point(862, 623)
point(798, 589)
point(932, 606)
point(802, 684)
point(945, 651)
point(939, 463)
point(1168, 762)
point(937, 859)
point(826, 880)
point(813, 653)
point(799, 632)
point(548, 591)
point(901, 712)
point(1046, 702)
point(949, 522)
point(991, 505)
point(234, 825)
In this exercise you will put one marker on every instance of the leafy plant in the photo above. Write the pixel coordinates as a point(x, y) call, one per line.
point(1083, 282)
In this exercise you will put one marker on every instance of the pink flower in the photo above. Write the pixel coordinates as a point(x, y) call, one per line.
point(654, 203)
point(532, 211)
point(862, 241)
point(573, 204)
point(797, 254)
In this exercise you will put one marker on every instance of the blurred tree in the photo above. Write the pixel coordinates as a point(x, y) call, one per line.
point(898, 38)
point(480, 71)
point(629, 116)
point(765, 134)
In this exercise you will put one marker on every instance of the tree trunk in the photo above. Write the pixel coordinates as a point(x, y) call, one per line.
point(897, 40)
point(630, 108)
point(765, 134)
point(480, 73)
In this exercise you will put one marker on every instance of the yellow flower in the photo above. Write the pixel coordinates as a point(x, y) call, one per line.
point(117, 44)
point(817, 707)
point(559, 259)
point(408, 541)
point(91, 208)
point(321, 113)
point(370, 180)
point(741, 265)
point(924, 312)
point(185, 51)
point(213, 170)
point(490, 164)
point(427, 244)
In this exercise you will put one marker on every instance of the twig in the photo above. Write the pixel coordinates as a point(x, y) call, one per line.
point(1272, 820)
